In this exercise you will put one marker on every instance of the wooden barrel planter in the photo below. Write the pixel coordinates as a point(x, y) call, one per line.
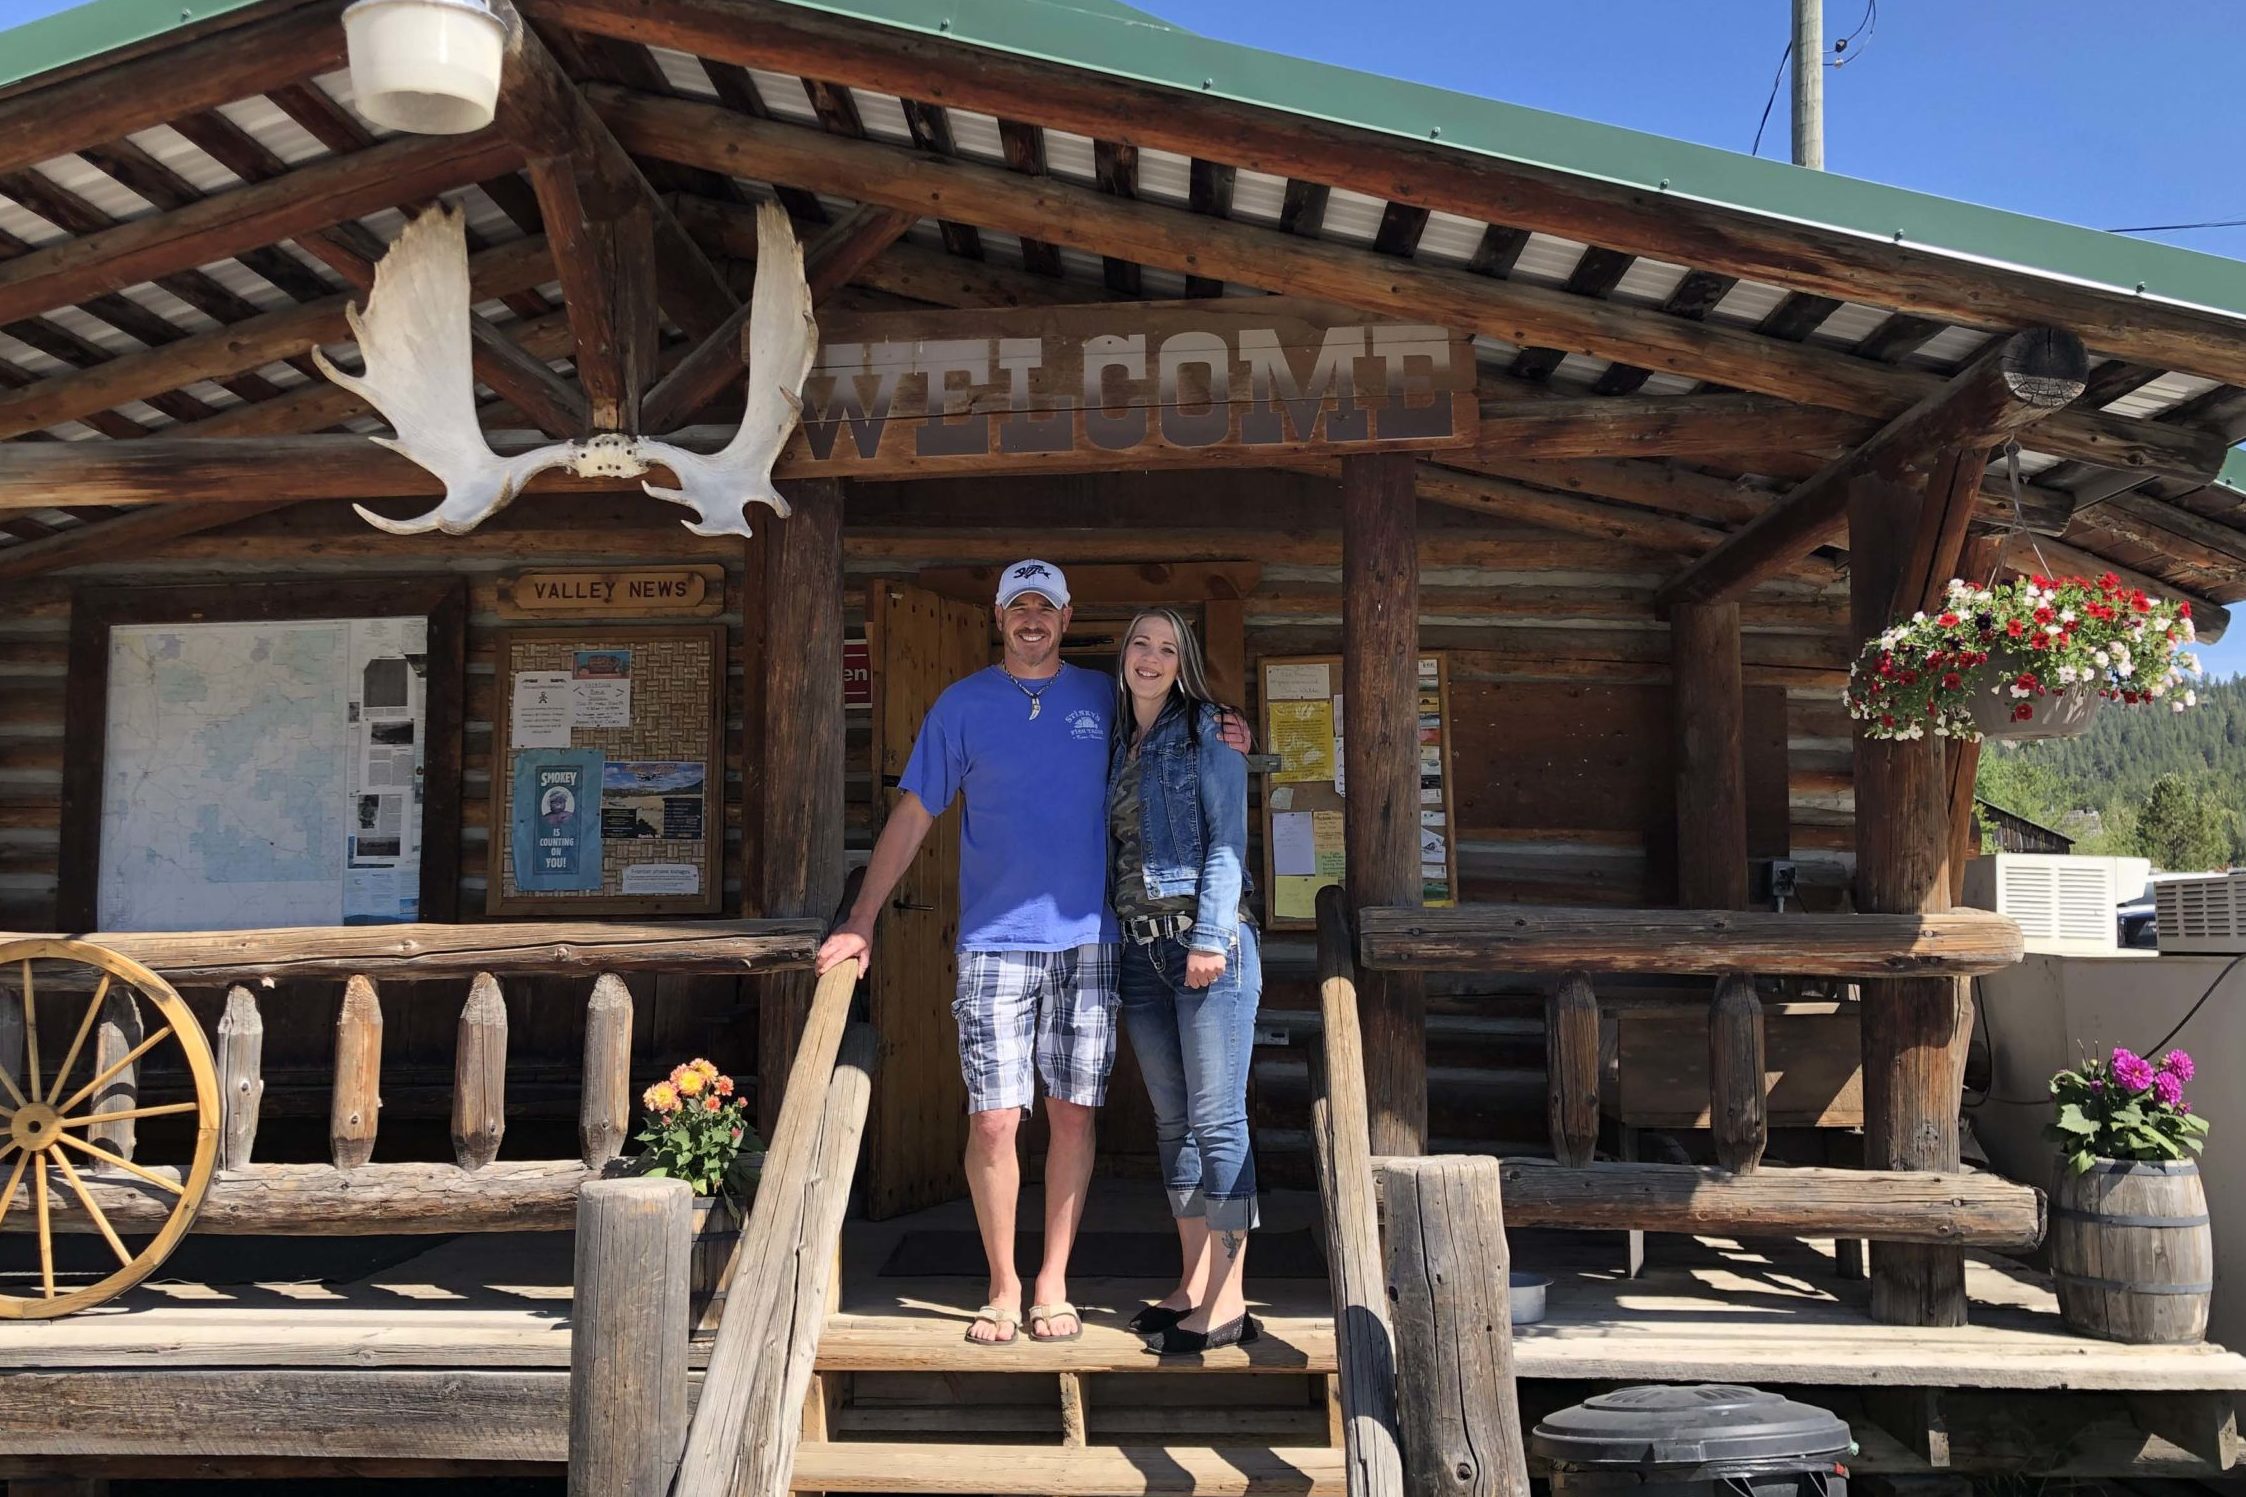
point(717, 1233)
point(2132, 1252)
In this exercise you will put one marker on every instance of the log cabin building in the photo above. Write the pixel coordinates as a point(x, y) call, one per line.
point(1576, 462)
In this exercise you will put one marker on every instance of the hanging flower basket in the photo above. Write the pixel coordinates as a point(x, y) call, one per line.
point(2067, 713)
point(2031, 658)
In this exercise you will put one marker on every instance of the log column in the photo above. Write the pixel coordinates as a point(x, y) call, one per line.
point(1380, 721)
point(1711, 705)
point(797, 755)
point(1915, 1029)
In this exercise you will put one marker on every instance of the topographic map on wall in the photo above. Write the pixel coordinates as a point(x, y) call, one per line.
point(263, 774)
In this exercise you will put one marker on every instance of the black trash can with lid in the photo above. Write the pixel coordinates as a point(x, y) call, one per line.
point(1692, 1441)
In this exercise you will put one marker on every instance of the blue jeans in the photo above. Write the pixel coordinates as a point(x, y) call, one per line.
point(1194, 1046)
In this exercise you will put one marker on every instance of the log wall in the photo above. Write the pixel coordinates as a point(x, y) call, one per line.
point(1561, 724)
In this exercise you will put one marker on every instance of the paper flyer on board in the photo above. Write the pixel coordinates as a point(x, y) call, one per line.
point(557, 821)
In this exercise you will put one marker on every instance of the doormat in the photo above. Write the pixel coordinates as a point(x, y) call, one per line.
point(1098, 1255)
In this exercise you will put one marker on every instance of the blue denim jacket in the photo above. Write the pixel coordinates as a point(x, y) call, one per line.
point(1193, 819)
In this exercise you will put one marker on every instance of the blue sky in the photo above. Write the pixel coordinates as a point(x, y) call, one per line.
point(2081, 110)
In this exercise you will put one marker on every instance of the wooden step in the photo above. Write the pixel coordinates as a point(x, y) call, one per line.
point(1066, 1471)
point(867, 1343)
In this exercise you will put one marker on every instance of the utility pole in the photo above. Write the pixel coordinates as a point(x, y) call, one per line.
point(1809, 84)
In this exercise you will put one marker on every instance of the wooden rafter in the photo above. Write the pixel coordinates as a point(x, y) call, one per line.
point(2021, 380)
point(1522, 314)
point(1693, 299)
point(216, 355)
point(1595, 275)
point(1795, 255)
point(312, 197)
point(1024, 145)
point(828, 265)
point(108, 102)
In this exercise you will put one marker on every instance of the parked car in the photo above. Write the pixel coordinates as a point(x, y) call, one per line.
point(2136, 926)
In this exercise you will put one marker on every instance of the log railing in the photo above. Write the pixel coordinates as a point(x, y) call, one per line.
point(478, 1191)
point(1731, 946)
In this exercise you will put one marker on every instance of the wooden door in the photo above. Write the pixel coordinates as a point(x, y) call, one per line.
point(918, 643)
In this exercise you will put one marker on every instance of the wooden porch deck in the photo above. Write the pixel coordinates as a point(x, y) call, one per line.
point(460, 1351)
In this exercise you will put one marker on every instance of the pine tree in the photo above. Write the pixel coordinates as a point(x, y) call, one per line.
point(2181, 829)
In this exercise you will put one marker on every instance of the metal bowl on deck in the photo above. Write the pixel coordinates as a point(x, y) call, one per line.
point(1528, 1297)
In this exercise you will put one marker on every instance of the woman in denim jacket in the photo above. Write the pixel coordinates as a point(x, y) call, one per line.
point(1191, 971)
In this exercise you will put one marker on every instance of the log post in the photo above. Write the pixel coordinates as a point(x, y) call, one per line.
point(627, 1356)
point(119, 1030)
point(358, 1075)
point(1364, 1345)
point(1738, 1110)
point(1449, 1275)
point(1915, 1030)
point(1380, 692)
point(798, 759)
point(1571, 1064)
point(604, 1109)
point(1711, 756)
point(241, 1078)
point(479, 1076)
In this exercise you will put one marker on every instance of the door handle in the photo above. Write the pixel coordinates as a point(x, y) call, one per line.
point(907, 904)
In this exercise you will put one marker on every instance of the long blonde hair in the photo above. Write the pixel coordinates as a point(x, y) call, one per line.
point(1192, 685)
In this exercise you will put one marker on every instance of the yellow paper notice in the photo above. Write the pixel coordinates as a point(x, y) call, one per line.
point(1325, 839)
point(1302, 735)
point(1295, 898)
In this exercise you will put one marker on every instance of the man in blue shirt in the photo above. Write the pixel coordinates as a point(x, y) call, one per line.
point(1026, 742)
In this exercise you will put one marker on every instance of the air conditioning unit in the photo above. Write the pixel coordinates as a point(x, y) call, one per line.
point(2063, 905)
point(2205, 913)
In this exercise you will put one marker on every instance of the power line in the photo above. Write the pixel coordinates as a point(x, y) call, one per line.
point(1776, 79)
point(2213, 223)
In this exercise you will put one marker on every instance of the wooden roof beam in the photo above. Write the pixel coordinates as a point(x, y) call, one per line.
point(311, 197)
point(1527, 315)
point(618, 251)
point(267, 338)
point(828, 265)
point(2021, 380)
point(106, 102)
point(1799, 256)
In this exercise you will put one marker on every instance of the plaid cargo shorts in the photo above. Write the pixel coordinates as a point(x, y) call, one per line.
point(1026, 1014)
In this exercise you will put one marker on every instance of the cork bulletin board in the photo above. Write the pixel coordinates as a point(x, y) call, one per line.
point(1305, 723)
point(608, 786)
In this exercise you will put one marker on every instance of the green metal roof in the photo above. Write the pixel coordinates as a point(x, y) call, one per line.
point(99, 26)
point(1107, 36)
point(1156, 52)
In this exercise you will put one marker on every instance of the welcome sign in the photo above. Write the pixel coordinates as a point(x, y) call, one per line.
point(1243, 379)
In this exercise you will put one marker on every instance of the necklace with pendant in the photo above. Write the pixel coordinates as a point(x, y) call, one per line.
point(1036, 698)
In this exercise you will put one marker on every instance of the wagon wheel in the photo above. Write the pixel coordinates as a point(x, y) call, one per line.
point(46, 1112)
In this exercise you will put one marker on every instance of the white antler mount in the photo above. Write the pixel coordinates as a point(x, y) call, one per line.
point(413, 335)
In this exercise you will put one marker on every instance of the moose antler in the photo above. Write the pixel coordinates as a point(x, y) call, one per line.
point(413, 336)
point(783, 338)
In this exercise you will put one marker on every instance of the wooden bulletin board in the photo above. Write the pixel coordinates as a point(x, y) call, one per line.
point(608, 780)
point(1305, 724)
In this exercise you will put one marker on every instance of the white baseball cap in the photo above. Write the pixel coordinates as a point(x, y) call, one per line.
point(1032, 576)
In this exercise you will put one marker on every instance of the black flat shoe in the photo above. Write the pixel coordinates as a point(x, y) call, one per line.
point(1175, 1341)
point(1152, 1320)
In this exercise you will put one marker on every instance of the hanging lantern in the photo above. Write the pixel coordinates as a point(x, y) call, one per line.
point(430, 67)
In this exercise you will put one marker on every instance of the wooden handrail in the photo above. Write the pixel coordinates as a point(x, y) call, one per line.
point(410, 953)
point(1962, 1210)
point(786, 1250)
point(1707, 943)
point(1364, 1341)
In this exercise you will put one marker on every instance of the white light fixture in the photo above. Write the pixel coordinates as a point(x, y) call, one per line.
point(430, 67)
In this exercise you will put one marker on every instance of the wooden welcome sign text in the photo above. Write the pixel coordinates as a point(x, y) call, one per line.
point(1241, 380)
point(644, 592)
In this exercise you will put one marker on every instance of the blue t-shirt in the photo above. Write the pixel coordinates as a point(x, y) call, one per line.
point(1033, 839)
